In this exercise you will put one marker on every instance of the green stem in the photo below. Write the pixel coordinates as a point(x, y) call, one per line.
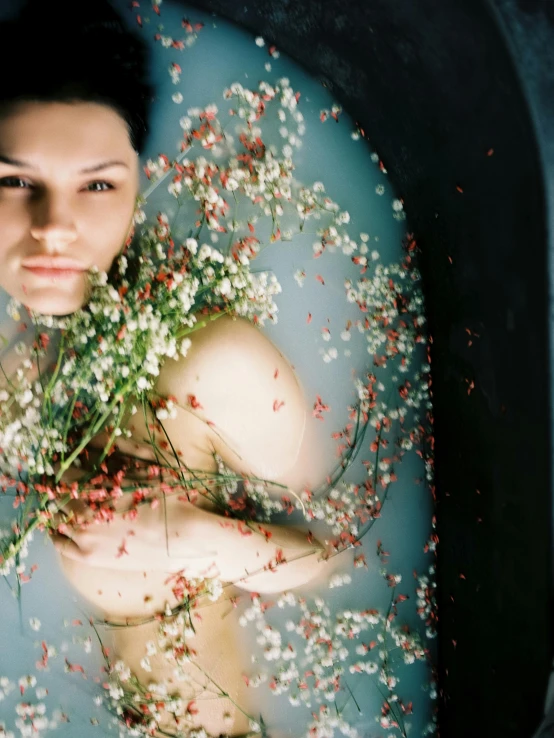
point(145, 195)
point(389, 704)
point(69, 415)
point(202, 323)
point(222, 692)
point(96, 429)
point(176, 457)
point(14, 548)
point(113, 436)
point(54, 376)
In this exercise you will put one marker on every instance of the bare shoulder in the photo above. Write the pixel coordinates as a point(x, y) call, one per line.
point(238, 381)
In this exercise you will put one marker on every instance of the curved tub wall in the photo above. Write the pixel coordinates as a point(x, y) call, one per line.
point(448, 92)
point(528, 28)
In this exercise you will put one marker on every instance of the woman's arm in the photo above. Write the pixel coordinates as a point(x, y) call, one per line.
point(254, 414)
point(201, 544)
point(246, 394)
point(237, 397)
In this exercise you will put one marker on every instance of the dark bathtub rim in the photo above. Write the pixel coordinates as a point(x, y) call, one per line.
point(533, 60)
point(527, 31)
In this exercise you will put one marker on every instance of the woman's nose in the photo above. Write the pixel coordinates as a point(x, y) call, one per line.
point(52, 221)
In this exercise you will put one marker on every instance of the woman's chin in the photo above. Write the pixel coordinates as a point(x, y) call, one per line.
point(56, 307)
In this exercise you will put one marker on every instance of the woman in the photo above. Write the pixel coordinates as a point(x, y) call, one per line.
point(70, 140)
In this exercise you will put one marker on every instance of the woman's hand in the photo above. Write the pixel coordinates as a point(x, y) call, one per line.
point(149, 540)
point(118, 534)
point(201, 543)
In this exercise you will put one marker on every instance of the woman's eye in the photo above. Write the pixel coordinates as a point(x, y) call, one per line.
point(18, 183)
point(101, 182)
point(9, 182)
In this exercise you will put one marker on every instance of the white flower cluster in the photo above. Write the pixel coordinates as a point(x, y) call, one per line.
point(269, 183)
point(259, 494)
point(121, 686)
point(250, 295)
point(32, 718)
point(199, 181)
point(326, 722)
point(155, 170)
point(339, 580)
point(425, 601)
point(22, 435)
point(324, 645)
point(386, 297)
point(228, 486)
point(9, 554)
point(6, 686)
point(260, 173)
point(153, 699)
point(338, 508)
point(268, 180)
point(310, 203)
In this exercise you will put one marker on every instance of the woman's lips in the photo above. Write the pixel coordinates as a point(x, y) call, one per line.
point(54, 273)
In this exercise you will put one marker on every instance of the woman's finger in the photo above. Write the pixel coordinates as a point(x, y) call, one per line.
point(67, 546)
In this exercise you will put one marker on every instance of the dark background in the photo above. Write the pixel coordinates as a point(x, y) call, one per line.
point(451, 80)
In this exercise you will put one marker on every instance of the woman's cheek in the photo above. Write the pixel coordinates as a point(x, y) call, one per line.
point(13, 238)
point(106, 236)
point(14, 223)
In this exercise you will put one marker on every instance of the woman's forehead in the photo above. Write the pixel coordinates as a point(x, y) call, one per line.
point(57, 118)
point(83, 135)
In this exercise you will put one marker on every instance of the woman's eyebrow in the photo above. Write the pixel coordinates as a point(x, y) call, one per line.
point(96, 168)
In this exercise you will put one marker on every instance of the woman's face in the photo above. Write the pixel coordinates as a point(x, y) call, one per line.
point(53, 213)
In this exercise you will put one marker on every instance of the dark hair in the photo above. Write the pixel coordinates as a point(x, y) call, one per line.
point(67, 51)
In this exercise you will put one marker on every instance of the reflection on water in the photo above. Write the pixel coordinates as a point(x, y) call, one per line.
point(262, 648)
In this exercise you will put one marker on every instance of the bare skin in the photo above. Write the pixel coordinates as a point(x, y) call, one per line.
point(227, 385)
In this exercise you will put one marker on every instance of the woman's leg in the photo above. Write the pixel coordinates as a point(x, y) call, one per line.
point(210, 683)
